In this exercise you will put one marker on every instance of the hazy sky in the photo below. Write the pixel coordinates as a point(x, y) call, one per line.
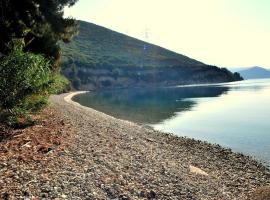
point(228, 33)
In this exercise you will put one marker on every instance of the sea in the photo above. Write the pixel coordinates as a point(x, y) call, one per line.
point(235, 115)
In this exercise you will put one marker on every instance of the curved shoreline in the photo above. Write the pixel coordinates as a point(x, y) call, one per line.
point(68, 99)
point(69, 96)
point(155, 163)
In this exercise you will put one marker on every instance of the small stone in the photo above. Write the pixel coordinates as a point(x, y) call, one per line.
point(27, 145)
point(197, 170)
point(44, 195)
point(45, 189)
point(5, 196)
point(26, 194)
point(124, 197)
point(142, 194)
point(61, 153)
point(151, 195)
point(189, 195)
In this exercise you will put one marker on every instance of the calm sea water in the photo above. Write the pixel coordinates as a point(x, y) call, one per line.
point(234, 115)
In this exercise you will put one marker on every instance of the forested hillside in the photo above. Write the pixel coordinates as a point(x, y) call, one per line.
point(99, 57)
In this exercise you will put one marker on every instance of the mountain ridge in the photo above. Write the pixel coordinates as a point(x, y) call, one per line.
point(255, 72)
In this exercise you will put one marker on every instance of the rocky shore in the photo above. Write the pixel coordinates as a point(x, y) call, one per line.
point(109, 158)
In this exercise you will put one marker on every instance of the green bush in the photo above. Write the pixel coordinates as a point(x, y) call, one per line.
point(25, 83)
point(58, 84)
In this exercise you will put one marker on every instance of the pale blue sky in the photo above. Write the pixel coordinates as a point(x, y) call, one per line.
point(226, 33)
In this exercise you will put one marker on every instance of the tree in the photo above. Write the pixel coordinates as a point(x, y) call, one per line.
point(30, 31)
point(40, 23)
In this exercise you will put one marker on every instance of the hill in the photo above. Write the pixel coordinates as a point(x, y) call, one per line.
point(237, 69)
point(99, 57)
point(255, 72)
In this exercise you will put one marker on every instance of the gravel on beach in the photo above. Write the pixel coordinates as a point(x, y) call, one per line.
point(109, 158)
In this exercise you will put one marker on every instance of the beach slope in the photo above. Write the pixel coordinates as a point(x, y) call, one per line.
point(117, 159)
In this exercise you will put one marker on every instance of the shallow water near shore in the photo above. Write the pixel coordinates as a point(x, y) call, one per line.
point(235, 115)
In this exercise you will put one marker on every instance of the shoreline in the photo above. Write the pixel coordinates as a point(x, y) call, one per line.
point(196, 165)
point(76, 152)
point(70, 95)
point(68, 98)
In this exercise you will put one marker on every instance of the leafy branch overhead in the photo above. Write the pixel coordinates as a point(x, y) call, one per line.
point(40, 23)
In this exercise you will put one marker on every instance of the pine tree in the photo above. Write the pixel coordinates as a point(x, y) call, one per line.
point(30, 32)
point(40, 23)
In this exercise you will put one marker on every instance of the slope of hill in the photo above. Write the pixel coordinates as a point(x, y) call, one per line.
point(99, 57)
point(255, 72)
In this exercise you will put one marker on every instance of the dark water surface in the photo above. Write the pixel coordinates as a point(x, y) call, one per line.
point(234, 115)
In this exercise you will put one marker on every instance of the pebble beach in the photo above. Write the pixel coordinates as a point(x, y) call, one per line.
point(110, 158)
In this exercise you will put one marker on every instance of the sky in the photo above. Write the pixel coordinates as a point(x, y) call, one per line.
point(225, 33)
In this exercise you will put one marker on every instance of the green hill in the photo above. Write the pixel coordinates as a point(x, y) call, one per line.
point(99, 57)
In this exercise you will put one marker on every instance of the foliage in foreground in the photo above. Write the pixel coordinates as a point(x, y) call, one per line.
point(40, 23)
point(25, 84)
point(29, 68)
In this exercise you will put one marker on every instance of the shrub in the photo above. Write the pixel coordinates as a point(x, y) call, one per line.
point(25, 83)
point(58, 84)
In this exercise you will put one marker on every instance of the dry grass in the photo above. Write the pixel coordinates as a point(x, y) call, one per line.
point(32, 142)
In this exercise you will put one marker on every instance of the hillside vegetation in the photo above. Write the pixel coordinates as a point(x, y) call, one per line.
point(99, 57)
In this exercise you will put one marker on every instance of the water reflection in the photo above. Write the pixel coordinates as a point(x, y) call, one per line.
point(151, 105)
point(238, 119)
point(234, 115)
